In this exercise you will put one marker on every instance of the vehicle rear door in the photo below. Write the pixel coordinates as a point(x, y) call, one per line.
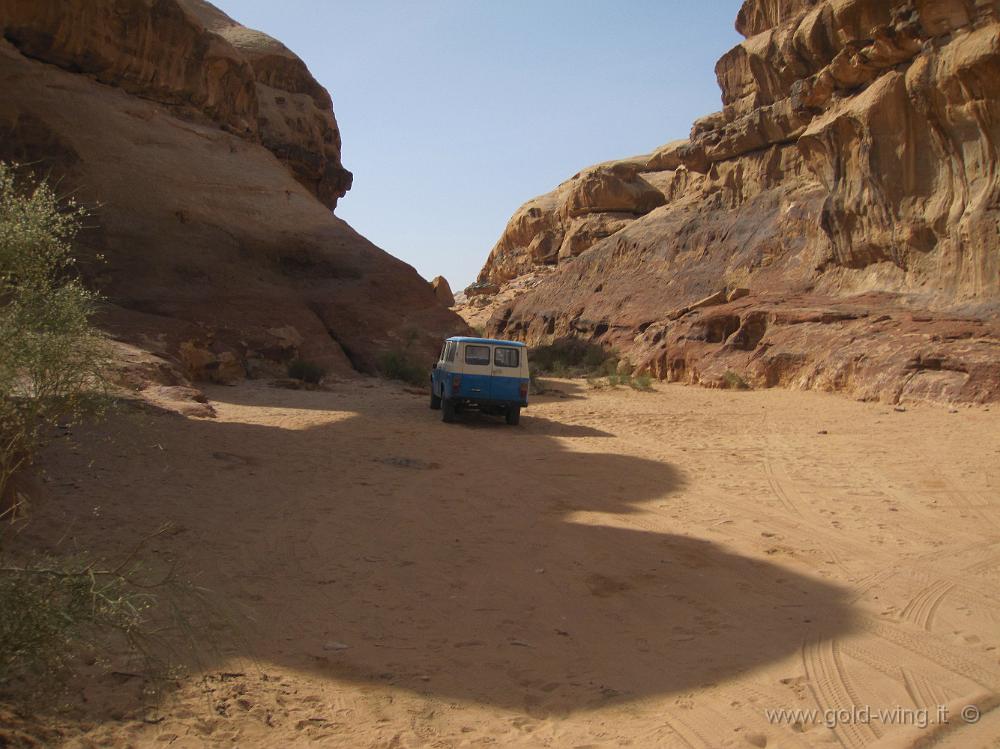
point(440, 374)
point(477, 369)
point(507, 373)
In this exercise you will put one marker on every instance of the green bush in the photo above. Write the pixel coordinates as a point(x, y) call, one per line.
point(52, 360)
point(59, 608)
point(306, 371)
point(641, 382)
point(399, 364)
point(54, 606)
point(52, 365)
point(734, 381)
point(572, 357)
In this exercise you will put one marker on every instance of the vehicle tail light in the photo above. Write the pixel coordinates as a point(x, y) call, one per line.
point(524, 391)
point(456, 384)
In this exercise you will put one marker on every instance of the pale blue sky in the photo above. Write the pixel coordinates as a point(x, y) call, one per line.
point(455, 112)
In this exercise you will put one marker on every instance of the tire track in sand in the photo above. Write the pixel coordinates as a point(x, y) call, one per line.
point(924, 605)
point(832, 691)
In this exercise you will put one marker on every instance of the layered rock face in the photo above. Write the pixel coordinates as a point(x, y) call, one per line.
point(212, 159)
point(850, 184)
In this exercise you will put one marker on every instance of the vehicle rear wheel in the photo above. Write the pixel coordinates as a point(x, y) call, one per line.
point(435, 399)
point(513, 415)
point(447, 410)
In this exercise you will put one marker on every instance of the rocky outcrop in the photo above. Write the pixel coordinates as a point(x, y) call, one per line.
point(190, 56)
point(211, 159)
point(854, 162)
point(589, 206)
point(442, 290)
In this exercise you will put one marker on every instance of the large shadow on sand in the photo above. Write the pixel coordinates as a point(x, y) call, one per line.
point(473, 561)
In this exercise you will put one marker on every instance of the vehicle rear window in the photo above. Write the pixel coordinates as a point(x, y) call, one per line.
point(477, 355)
point(506, 357)
point(449, 353)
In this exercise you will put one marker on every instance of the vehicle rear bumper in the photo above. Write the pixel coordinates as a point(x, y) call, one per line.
point(490, 402)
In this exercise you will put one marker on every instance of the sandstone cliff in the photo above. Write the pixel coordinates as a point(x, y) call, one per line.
point(850, 184)
point(213, 160)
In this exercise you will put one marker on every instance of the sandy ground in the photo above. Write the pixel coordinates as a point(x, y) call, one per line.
point(622, 569)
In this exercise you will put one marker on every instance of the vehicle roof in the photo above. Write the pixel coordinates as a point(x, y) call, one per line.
point(493, 341)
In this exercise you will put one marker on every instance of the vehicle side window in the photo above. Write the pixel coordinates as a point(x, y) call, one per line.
point(506, 357)
point(450, 351)
point(477, 355)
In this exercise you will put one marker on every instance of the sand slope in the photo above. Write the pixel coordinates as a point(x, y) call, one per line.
point(644, 569)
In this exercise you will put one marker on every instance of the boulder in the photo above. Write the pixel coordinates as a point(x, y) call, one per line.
point(443, 291)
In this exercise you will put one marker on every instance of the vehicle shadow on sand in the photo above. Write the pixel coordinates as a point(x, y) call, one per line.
point(492, 565)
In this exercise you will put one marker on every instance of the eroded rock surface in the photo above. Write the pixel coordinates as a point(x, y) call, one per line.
point(211, 158)
point(442, 290)
point(853, 166)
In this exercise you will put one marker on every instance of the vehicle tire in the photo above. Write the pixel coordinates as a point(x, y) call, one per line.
point(513, 415)
point(448, 410)
point(435, 399)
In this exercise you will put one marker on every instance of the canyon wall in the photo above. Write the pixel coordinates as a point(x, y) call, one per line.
point(835, 226)
point(211, 161)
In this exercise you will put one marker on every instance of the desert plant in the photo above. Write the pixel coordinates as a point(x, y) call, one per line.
point(572, 357)
point(734, 381)
point(52, 359)
point(642, 382)
point(306, 371)
point(559, 369)
point(57, 608)
point(400, 364)
point(52, 365)
point(52, 606)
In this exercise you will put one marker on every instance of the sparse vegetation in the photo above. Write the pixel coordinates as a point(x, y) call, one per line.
point(601, 367)
point(571, 357)
point(641, 382)
point(59, 609)
point(403, 362)
point(306, 371)
point(733, 381)
point(52, 359)
point(53, 606)
point(52, 365)
point(400, 364)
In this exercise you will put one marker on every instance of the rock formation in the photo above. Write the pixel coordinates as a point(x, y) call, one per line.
point(442, 290)
point(850, 184)
point(212, 160)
